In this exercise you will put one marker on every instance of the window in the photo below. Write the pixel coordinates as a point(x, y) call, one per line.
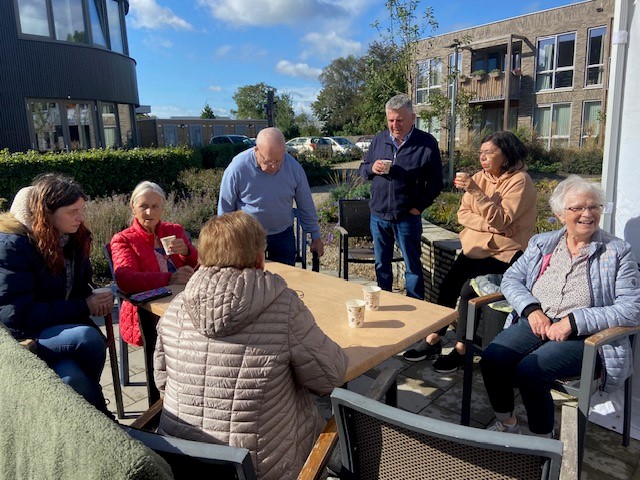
point(81, 126)
point(115, 26)
point(431, 125)
point(218, 130)
point(455, 68)
point(33, 17)
point(47, 126)
point(68, 20)
point(241, 129)
point(97, 23)
point(109, 125)
point(170, 135)
point(429, 78)
point(195, 133)
point(595, 56)
point(555, 62)
point(591, 119)
point(553, 122)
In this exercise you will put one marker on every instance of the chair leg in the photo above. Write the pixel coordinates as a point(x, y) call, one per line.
point(113, 361)
point(626, 419)
point(147, 323)
point(346, 258)
point(125, 378)
point(467, 384)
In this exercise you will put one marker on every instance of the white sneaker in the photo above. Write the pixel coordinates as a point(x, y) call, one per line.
point(501, 427)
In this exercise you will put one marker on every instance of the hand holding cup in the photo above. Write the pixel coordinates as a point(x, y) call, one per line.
point(100, 302)
point(462, 180)
point(382, 166)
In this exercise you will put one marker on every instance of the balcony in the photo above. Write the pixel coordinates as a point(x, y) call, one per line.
point(491, 87)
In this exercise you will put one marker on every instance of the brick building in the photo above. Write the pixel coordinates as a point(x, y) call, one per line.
point(545, 71)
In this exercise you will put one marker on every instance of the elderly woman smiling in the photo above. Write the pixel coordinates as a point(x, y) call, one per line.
point(139, 260)
point(567, 285)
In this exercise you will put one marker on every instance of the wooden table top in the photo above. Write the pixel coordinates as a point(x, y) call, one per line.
point(399, 322)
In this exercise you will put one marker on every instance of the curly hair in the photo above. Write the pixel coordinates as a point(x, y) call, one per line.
point(52, 191)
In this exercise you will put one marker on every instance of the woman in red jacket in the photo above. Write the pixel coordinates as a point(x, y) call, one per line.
point(139, 260)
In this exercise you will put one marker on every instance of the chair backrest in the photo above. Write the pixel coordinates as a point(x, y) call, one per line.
point(354, 216)
point(381, 442)
point(188, 458)
point(107, 254)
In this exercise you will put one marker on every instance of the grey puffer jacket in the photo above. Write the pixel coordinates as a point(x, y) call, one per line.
point(236, 356)
point(614, 283)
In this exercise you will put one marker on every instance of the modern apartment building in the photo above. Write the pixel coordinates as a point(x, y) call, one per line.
point(545, 71)
point(66, 78)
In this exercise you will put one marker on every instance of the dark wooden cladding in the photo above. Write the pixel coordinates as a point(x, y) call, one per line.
point(34, 68)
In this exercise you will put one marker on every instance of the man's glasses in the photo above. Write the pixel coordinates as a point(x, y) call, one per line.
point(269, 162)
point(591, 208)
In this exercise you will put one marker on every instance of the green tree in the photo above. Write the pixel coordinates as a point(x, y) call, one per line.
point(308, 125)
point(250, 101)
point(207, 112)
point(338, 103)
point(284, 117)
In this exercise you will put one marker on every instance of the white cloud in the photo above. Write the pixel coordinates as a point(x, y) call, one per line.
point(275, 12)
point(214, 88)
point(155, 42)
point(301, 97)
point(148, 14)
point(167, 111)
point(223, 50)
point(297, 69)
point(328, 45)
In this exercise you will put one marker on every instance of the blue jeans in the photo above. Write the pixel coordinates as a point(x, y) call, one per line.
point(77, 354)
point(516, 358)
point(407, 232)
point(281, 247)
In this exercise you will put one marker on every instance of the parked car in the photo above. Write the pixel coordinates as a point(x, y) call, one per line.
point(318, 146)
point(345, 147)
point(364, 142)
point(221, 139)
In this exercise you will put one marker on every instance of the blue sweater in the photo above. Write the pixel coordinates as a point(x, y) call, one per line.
point(269, 198)
point(415, 179)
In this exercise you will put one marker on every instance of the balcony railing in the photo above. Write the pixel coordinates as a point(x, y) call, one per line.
point(491, 88)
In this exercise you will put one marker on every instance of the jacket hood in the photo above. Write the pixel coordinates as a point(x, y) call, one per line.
point(222, 301)
point(11, 225)
point(506, 175)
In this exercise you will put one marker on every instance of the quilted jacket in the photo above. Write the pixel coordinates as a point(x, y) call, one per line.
point(32, 297)
point(237, 354)
point(614, 282)
point(136, 268)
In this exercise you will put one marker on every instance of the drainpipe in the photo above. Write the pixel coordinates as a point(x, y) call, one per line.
point(619, 40)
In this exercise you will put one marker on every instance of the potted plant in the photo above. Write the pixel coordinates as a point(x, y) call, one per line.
point(462, 78)
point(495, 73)
point(478, 74)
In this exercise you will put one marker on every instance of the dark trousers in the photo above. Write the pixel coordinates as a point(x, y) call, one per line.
point(281, 247)
point(456, 284)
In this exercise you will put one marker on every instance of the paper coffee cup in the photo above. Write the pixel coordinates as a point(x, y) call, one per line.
point(371, 297)
point(98, 291)
point(355, 312)
point(387, 166)
point(166, 243)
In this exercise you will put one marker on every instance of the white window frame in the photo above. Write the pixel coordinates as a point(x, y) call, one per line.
point(426, 70)
point(585, 135)
point(554, 69)
point(549, 137)
point(600, 65)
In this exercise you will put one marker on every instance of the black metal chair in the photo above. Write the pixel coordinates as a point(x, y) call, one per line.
point(571, 386)
point(354, 220)
point(303, 240)
point(378, 441)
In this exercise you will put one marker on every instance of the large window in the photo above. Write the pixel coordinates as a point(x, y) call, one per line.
point(47, 126)
point(591, 120)
point(555, 62)
point(431, 125)
point(170, 135)
point(595, 56)
point(94, 22)
point(109, 125)
point(33, 17)
point(195, 134)
point(429, 78)
point(82, 134)
point(553, 124)
point(454, 68)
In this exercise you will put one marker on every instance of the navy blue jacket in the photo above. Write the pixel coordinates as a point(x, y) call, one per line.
point(415, 179)
point(32, 297)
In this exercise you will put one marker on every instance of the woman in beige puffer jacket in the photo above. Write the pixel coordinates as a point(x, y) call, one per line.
point(238, 353)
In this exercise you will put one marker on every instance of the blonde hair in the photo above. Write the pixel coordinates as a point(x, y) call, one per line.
point(231, 240)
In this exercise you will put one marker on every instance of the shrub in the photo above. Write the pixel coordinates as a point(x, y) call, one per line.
point(220, 155)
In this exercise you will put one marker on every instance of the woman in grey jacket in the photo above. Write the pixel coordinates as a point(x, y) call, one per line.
point(238, 353)
point(569, 284)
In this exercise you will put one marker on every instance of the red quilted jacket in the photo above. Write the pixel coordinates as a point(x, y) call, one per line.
point(136, 268)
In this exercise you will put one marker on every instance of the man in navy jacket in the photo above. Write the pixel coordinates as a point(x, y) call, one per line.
point(399, 196)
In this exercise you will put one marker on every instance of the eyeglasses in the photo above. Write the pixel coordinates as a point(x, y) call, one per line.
point(591, 208)
point(268, 162)
point(486, 153)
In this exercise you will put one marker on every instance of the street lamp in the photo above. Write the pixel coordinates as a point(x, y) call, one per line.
point(452, 121)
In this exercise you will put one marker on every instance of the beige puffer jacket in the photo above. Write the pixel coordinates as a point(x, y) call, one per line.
point(237, 353)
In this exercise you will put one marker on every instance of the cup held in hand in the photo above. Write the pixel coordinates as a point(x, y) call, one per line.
point(166, 243)
point(371, 297)
point(355, 312)
point(387, 166)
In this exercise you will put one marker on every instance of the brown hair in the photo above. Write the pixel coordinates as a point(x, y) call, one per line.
point(231, 240)
point(50, 192)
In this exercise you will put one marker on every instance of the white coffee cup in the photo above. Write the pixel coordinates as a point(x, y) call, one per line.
point(166, 243)
point(101, 290)
point(387, 166)
point(371, 297)
point(355, 312)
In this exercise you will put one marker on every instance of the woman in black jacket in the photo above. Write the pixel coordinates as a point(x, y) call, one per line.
point(44, 282)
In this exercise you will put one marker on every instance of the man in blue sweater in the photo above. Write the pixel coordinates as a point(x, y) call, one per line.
point(401, 193)
point(264, 181)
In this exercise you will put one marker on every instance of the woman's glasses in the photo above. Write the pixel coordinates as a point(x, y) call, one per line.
point(591, 208)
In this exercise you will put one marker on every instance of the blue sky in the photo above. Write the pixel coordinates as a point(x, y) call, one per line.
point(189, 52)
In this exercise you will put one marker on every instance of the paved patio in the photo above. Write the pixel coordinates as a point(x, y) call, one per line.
point(421, 390)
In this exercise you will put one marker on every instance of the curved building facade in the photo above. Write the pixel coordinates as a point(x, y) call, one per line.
point(67, 81)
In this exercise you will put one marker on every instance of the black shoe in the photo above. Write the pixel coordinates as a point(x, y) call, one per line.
point(449, 363)
point(424, 351)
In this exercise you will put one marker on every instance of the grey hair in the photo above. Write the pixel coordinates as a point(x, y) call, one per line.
point(144, 187)
point(399, 102)
point(574, 185)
